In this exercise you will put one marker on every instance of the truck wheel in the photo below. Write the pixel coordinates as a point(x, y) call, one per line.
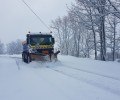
point(28, 60)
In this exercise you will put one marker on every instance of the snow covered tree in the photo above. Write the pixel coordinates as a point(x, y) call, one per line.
point(1, 48)
point(99, 8)
point(86, 29)
point(14, 47)
point(112, 35)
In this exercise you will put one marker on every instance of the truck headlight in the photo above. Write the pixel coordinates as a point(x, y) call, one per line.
point(31, 50)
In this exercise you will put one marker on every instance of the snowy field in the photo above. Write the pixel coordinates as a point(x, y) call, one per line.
point(68, 79)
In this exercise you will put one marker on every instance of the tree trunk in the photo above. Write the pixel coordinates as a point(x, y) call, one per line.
point(102, 29)
point(114, 38)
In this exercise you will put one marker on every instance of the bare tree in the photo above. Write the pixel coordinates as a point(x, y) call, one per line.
point(85, 29)
point(1, 48)
point(14, 47)
point(112, 34)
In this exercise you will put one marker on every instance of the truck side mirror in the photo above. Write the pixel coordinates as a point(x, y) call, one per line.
point(53, 40)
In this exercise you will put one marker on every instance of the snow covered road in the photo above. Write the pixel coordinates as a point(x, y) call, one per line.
point(68, 79)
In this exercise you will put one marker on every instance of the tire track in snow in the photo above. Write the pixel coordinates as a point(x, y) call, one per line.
point(86, 71)
point(101, 86)
point(82, 70)
point(90, 82)
point(50, 83)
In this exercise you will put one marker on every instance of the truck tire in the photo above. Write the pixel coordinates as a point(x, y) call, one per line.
point(28, 60)
point(26, 57)
point(23, 57)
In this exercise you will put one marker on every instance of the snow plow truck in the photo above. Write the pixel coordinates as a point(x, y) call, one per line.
point(39, 47)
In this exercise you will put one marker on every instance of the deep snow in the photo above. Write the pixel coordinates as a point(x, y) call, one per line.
point(70, 78)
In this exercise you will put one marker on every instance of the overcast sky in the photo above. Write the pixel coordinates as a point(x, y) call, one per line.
point(16, 19)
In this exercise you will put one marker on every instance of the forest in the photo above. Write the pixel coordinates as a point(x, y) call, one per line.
point(91, 27)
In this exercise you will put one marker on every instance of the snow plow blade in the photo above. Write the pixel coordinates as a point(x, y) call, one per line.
point(53, 57)
point(41, 57)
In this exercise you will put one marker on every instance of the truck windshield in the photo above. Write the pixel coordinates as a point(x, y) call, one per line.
point(40, 40)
